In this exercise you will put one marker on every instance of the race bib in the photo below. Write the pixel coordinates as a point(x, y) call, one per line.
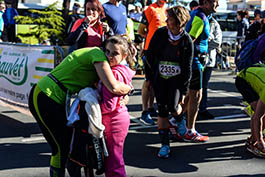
point(169, 69)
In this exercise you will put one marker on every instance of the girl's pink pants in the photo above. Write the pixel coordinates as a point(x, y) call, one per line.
point(116, 130)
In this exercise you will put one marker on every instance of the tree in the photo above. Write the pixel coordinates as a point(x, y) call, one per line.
point(49, 24)
point(66, 6)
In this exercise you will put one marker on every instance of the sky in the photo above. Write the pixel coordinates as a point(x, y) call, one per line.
point(222, 5)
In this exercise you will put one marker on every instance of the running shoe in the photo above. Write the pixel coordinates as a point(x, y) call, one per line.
point(244, 103)
point(173, 122)
point(254, 149)
point(173, 134)
point(164, 152)
point(146, 118)
point(173, 130)
point(182, 129)
point(152, 112)
point(195, 137)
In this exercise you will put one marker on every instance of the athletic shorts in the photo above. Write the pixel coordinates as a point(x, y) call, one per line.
point(196, 80)
point(167, 101)
point(249, 95)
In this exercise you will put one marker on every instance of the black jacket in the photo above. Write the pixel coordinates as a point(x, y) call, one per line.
point(160, 49)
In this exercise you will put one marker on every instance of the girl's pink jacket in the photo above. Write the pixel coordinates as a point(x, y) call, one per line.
point(110, 102)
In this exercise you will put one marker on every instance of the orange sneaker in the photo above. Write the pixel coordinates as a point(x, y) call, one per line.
point(195, 137)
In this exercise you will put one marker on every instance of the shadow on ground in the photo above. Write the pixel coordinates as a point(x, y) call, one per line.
point(141, 148)
point(10, 127)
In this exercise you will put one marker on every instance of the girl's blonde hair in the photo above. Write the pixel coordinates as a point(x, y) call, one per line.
point(125, 46)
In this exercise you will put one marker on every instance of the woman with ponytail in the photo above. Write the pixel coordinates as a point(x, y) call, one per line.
point(115, 117)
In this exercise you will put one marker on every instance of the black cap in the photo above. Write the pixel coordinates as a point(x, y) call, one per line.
point(257, 11)
point(193, 3)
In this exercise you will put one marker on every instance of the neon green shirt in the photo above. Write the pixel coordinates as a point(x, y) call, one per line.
point(76, 72)
point(255, 77)
point(130, 29)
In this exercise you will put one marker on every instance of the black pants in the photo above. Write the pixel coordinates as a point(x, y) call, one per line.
point(51, 119)
point(11, 32)
point(249, 95)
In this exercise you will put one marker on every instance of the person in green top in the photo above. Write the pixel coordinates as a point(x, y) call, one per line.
point(82, 68)
point(250, 83)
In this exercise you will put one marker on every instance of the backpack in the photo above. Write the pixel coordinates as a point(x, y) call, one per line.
point(244, 57)
point(86, 150)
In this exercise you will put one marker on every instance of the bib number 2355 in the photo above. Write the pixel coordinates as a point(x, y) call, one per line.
point(169, 70)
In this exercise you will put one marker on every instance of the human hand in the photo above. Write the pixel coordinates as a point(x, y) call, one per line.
point(88, 19)
point(124, 100)
point(133, 51)
point(181, 99)
point(105, 26)
point(178, 109)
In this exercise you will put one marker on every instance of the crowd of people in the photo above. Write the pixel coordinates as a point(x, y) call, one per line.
point(179, 52)
point(7, 21)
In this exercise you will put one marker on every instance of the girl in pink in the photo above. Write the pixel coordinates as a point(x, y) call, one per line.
point(115, 116)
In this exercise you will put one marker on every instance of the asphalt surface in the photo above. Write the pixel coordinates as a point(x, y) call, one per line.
point(25, 153)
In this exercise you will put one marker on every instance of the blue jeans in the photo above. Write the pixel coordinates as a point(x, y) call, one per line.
point(205, 82)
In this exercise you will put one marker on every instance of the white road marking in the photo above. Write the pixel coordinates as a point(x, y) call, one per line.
point(41, 138)
point(230, 116)
point(45, 154)
point(142, 127)
point(222, 92)
point(225, 147)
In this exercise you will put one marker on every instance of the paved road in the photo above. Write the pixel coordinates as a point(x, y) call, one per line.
point(24, 153)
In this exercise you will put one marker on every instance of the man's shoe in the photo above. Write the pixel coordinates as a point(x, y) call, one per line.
point(255, 150)
point(206, 114)
point(173, 130)
point(182, 129)
point(195, 137)
point(178, 129)
point(173, 122)
point(153, 112)
point(146, 118)
point(164, 152)
point(174, 135)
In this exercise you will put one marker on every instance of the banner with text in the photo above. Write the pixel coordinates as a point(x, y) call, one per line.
point(20, 68)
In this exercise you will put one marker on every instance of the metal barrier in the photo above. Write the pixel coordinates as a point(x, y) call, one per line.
point(230, 46)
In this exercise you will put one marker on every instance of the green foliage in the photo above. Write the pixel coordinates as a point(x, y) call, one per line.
point(50, 24)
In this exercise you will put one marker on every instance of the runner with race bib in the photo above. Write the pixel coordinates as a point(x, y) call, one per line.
point(168, 68)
